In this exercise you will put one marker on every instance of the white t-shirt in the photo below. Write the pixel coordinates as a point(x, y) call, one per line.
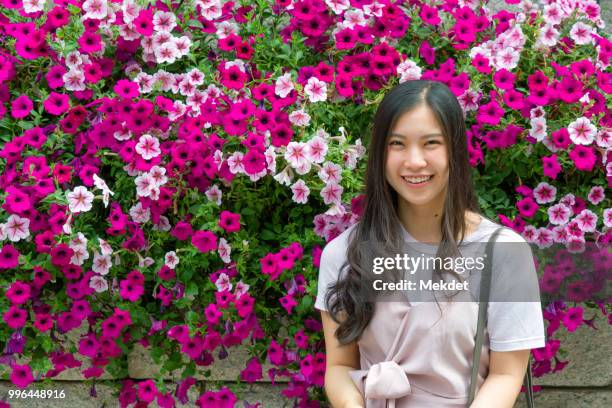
point(515, 321)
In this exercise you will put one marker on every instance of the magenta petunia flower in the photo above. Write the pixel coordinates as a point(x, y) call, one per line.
point(551, 166)
point(43, 322)
point(490, 113)
point(21, 107)
point(504, 79)
point(9, 257)
point(61, 254)
point(130, 290)
point(126, 89)
point(233, 78)
point(143, 24)
point(244, 305)
point(229, 221)
point(254, 162)
point(252, 372)
point(57, 104)
point(527, 207)
point(204, 240)
point(276, 353)
point(18, 293)
point(21, 375)
point(89, 346)
point(90, 42)
point(429, 15)
point(288, 303)
point(583, 157)
point(16, 200)
point(15, 317)
point(147, 391)
point(212, 314)
point(573, 318)
point(269, 266)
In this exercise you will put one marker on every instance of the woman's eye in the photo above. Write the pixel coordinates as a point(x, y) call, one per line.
point(432, 142)
point(395, 143)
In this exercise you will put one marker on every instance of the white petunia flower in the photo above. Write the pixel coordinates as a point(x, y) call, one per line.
point(284, 85)
point(224, 250)
point(582, 131)
point(171, 259)
point(300, 192)
point(580, 33)
point(299, 118)
point(98, 283)
point(316, 90)
point(95, 9)
point(148, 147)
point(17, 228)
point(139, 214)
point(101, 263)
point(214, 194)
point(80, 199)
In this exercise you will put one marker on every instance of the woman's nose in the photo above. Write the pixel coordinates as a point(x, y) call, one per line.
point(414, 158)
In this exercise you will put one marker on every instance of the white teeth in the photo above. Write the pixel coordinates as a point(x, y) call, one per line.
point(416, 180)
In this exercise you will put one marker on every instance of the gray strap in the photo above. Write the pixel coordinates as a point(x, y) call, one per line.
point(485, 285)
point(485, 289)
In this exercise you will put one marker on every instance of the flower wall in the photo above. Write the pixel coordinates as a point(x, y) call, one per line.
point(170, 170)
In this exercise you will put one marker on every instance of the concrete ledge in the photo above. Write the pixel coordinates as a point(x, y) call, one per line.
point(590, 354)
point(78, 395)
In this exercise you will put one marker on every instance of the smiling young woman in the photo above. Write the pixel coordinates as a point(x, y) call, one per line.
point(418, 191)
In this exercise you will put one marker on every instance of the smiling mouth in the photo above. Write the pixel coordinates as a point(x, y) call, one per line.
point(417, 180)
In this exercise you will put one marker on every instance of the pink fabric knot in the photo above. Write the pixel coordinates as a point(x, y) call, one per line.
point(385, 380)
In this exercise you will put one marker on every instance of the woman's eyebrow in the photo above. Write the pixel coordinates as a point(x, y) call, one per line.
point(421, 137)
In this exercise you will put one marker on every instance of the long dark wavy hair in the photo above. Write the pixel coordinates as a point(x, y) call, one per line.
point(348, 300)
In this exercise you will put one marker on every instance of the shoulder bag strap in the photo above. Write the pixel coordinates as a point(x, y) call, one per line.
point(485, 288)
point(483, 301)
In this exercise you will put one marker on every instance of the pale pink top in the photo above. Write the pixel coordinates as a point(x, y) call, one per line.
point(410, 357)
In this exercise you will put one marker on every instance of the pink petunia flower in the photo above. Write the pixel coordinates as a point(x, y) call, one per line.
point(559, 214)
point(130, 290)
point(587, 220)
point(16, 200)
point(544, 193)
point(596, 195)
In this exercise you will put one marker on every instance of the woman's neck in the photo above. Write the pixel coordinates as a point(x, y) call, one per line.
point(423, 223)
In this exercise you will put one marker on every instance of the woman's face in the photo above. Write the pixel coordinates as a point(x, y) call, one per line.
point(417, 159)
